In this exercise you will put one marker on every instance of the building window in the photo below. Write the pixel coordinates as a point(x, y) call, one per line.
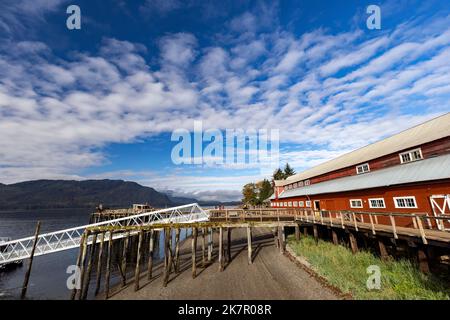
point(295, 203)
point(405, 202)
point(301, 203)
point(410, 156)
point(377, 203)
point(356, 203)
point(285, 204)
point(308, 204)
point(295, 185)
point(300, 184)
point(363, 168)
point(290, 204)
point(307, 182)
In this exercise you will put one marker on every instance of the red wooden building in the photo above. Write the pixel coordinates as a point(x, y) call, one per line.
point(405, 173)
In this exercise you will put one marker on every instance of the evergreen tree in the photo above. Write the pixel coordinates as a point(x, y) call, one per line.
point(265, 190)
point(278, 174)
point(288, 171)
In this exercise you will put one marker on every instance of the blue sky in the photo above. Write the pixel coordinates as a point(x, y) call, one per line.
point(102, 102)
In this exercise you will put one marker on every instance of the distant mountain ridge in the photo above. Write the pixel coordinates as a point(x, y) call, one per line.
point(78, 194)
point(51, 194)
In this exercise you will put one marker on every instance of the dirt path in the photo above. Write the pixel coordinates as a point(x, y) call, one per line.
point(271, 276)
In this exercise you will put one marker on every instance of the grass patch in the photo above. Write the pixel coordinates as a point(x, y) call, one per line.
point(400, 279)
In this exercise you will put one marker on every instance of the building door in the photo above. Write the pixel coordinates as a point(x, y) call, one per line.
point(316, 205)
point(441, 208)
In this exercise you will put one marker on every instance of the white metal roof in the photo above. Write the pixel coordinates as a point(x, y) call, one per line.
point(431, 130)
point(424, 170)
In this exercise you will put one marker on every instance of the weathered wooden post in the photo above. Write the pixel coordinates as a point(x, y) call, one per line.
point(99, 264)
point(423, 260)
point(383, 251)
point(281, 239)
point(108, 264)
point(150, 254)
point(334, 236)
point(83, 262)
point(194, 251)
point(203, 247)
point(80, 251)
point(297, 232)
point(177, 250)
point(30, 262)
point(171, 255)
point(137, 271)
point(210, 243)
point(166, 256)
point(220, 249)
point(249, 245)
point(353, 242)
point(124, 259)
point(229, 244)
point(85, 289)
point(316, 234)
point(275, 237)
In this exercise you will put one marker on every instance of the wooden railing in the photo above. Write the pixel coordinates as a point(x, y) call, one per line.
point(419, 221)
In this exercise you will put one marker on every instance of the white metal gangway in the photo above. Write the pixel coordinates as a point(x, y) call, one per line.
point(70, 238)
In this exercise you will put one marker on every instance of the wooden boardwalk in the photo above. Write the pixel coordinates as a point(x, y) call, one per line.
point(422, 229)
point(418, 231)
point(271, 276)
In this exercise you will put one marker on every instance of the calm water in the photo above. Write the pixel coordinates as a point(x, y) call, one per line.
point(48, 276)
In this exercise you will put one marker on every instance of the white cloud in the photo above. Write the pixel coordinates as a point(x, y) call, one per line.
point(327, 93)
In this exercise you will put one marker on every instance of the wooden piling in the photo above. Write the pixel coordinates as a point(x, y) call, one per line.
point(353, 242)
point(229, 245)
point(334, 237)
point(80, 251)
point(297, 232)
point(383, 251)
point(108, 264)
point(177, 251)
point(83, 263)
point(249, 245)
point(87, 279)
point(137, 270)
point(203, 247)
point(220, 249)
point(30, 262)
point(166, 256)
point(210, 244)
point(316, 234)
point(275, 237)
point(124, 259)
point(423, 260)
point(99, 264)
point(150, 254)
point(281, 242)
point(194, 251)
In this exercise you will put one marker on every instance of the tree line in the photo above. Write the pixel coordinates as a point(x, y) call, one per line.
point(254, 194)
